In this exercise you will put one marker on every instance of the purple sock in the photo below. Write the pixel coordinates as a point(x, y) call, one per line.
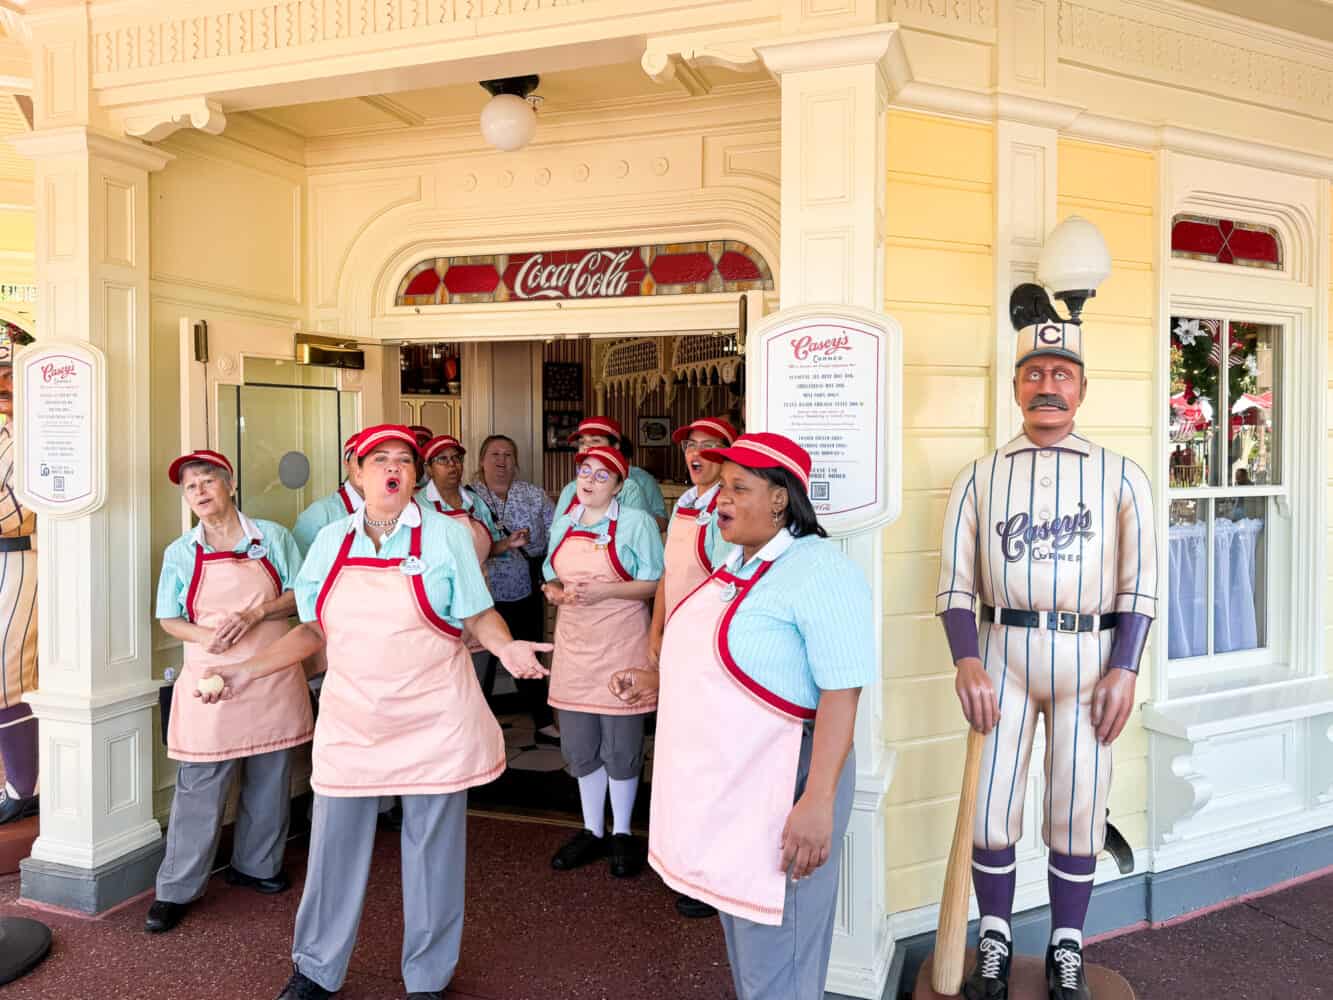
point(1070, 883)
point(993, 879)
point(18, 748)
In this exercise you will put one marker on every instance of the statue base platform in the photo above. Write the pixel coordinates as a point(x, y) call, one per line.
point(1027, 980)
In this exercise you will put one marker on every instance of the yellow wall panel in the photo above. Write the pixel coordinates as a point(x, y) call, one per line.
point(915, 645)
point(917, 885)
point(1111, 345)
point(949, 212)
point(920, 526)
point(939, 148)
point(1129, 293)
point(933, 822)
point(945, 336)
point(1130, 234)
point(926, 766)
point(910, 580)
point(937, 400)
point(923, 707)
point(936, 458)
point(1125, 401)
point(1107, 173)
point(919, 273)
point(18, 230)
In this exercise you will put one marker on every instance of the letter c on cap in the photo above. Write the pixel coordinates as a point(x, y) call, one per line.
point(1050, 334)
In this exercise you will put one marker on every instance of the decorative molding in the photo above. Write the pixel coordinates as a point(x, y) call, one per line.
point(830, 50)
point(154, 122)
point(946, 13)
point(1165, 54)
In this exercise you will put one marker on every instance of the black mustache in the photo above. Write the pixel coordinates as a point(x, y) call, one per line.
point(1048, 399)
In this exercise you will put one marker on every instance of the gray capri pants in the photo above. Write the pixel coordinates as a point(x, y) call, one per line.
point(589, 741)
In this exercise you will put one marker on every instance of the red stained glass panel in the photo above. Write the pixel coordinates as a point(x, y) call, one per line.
point(1224, 241)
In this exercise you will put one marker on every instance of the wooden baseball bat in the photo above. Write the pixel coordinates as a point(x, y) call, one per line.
point(946, 976)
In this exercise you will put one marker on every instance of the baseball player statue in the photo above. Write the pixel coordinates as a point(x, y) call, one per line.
point(1049, 542)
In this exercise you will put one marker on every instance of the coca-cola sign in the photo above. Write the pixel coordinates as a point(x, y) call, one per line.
point(599, 273)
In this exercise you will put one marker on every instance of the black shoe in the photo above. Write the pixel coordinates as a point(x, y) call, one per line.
point(546, 739)
point(626, 855)
point(1064, 972)
point(392, 819)
point(301, 988)
point(268, 886)
point(12, 809)
point(688, 906)
point(990, 976)
point(432, 995)
point(163, 916)
point(581, 849)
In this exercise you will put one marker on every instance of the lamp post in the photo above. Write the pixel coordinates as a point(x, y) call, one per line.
point(1073, 263)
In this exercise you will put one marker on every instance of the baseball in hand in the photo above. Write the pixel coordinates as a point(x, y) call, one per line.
point(210, 685)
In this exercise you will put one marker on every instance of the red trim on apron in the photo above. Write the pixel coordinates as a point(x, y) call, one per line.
point(616, 564)
point(418, 583)
point(701, 538)
point(743, 588)
point(201, 557)
point(347, 501)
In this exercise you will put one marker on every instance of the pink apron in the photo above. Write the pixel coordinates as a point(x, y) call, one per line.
point(481, 541)
point(272, 713)
point(724, 771)
point(687, 562)
point(595, 641)
point(400, 712)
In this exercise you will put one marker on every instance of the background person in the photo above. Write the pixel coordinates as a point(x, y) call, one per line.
point(18, 605)
point(604, 566)
point(400, 714)
point(771, 706)
point(640, 490)
point(225, 592)
point(522, 510)
point(343, 501)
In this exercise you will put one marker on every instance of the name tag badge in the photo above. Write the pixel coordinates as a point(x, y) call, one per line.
point(729, 593)
point(603, 540)
point(412, 566)
point(703, 519)
point(256, 551)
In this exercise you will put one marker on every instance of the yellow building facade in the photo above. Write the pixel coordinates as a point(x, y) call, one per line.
point(268, 168)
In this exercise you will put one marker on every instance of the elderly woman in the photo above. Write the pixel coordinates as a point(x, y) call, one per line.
point(768, 704)
point(523, 512)
point(226, 592)
point(388, 592)
point(603, 568)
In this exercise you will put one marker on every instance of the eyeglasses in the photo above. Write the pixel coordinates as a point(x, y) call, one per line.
point(688, 445)
point(447, 460)
point(596, 475)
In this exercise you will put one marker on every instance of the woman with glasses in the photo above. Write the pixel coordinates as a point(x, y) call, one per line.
point(604, 563)
point(641, 489)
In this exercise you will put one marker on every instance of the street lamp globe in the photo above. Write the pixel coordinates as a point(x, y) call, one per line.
point(508, 122)
point(1074, 262)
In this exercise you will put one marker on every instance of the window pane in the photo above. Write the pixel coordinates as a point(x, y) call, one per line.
point(1254, 368)
point(1196, 349)
point(1188, 586)
point(1240, 570)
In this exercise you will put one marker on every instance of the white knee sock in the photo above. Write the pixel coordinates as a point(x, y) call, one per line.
point(592, 793)
point(623, 793)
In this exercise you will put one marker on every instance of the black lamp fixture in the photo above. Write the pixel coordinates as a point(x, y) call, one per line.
point(509, 120)
point(1073, 263)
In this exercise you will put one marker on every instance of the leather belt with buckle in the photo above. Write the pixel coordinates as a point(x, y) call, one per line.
point(1057, 621)
point(19, 543)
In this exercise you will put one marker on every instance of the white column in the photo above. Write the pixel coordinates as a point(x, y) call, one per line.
point(834, 103)
point(99, 841)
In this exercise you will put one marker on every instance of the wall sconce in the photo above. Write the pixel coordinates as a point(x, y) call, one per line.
point(1073, 263)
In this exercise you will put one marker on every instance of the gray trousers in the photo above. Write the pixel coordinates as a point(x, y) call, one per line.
point(589, 741)
point(790, 962)
point(434, 851)
point(260, 835)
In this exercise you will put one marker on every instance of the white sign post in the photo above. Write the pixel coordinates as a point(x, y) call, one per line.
point(60, 415)
point(830, 378)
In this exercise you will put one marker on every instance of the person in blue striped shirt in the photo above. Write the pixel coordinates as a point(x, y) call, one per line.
point(753, 773)
point(640, 489)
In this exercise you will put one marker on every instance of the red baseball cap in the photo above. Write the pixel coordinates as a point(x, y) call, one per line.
point(202, 455)
point(372, 437)
point(765, 451)
point(422, 433)
point(598, 425)
point(438, 444)
point(609, 457)
point(349, 446)
point(710, 425)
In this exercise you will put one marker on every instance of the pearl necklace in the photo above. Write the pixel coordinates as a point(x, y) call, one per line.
point(370, 522)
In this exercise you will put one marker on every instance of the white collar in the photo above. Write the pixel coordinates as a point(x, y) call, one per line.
point(692, 497)
point(252, 532)
point(410, 518)
point(772, 549)
point(612, 512)
point(433, 495)
point(351, 495)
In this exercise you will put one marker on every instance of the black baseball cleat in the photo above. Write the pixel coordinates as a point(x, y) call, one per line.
point(268, 886)
point(429, 995)
point(301, 988)
point(990, 976)
point(1064, 972)
point(581, 849)
point(164, 916)
point(626, 855)
point(694, 909)
point(13, 809)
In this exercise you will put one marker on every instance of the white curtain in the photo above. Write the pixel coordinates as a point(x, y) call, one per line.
point(1235, 621)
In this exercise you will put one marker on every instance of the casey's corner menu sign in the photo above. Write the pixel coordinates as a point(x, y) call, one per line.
point(58, 418)
point(831, 379)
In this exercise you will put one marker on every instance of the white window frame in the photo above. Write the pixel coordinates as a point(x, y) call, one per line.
point(1293, 300)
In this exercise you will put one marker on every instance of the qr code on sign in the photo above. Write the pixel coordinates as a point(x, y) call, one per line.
point(58, 483)
point(818, 490)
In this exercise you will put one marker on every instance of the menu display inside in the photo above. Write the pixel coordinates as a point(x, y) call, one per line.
point(56, 422)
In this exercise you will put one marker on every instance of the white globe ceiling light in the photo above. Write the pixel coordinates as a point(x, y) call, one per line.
point(509, 120)
point(1074, 262)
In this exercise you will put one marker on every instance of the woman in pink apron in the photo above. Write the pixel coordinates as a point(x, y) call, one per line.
point(226, 592)
point(603, 567)
point(694, 548)
point(753, 770)
point(388, 594)
point(640, 488)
